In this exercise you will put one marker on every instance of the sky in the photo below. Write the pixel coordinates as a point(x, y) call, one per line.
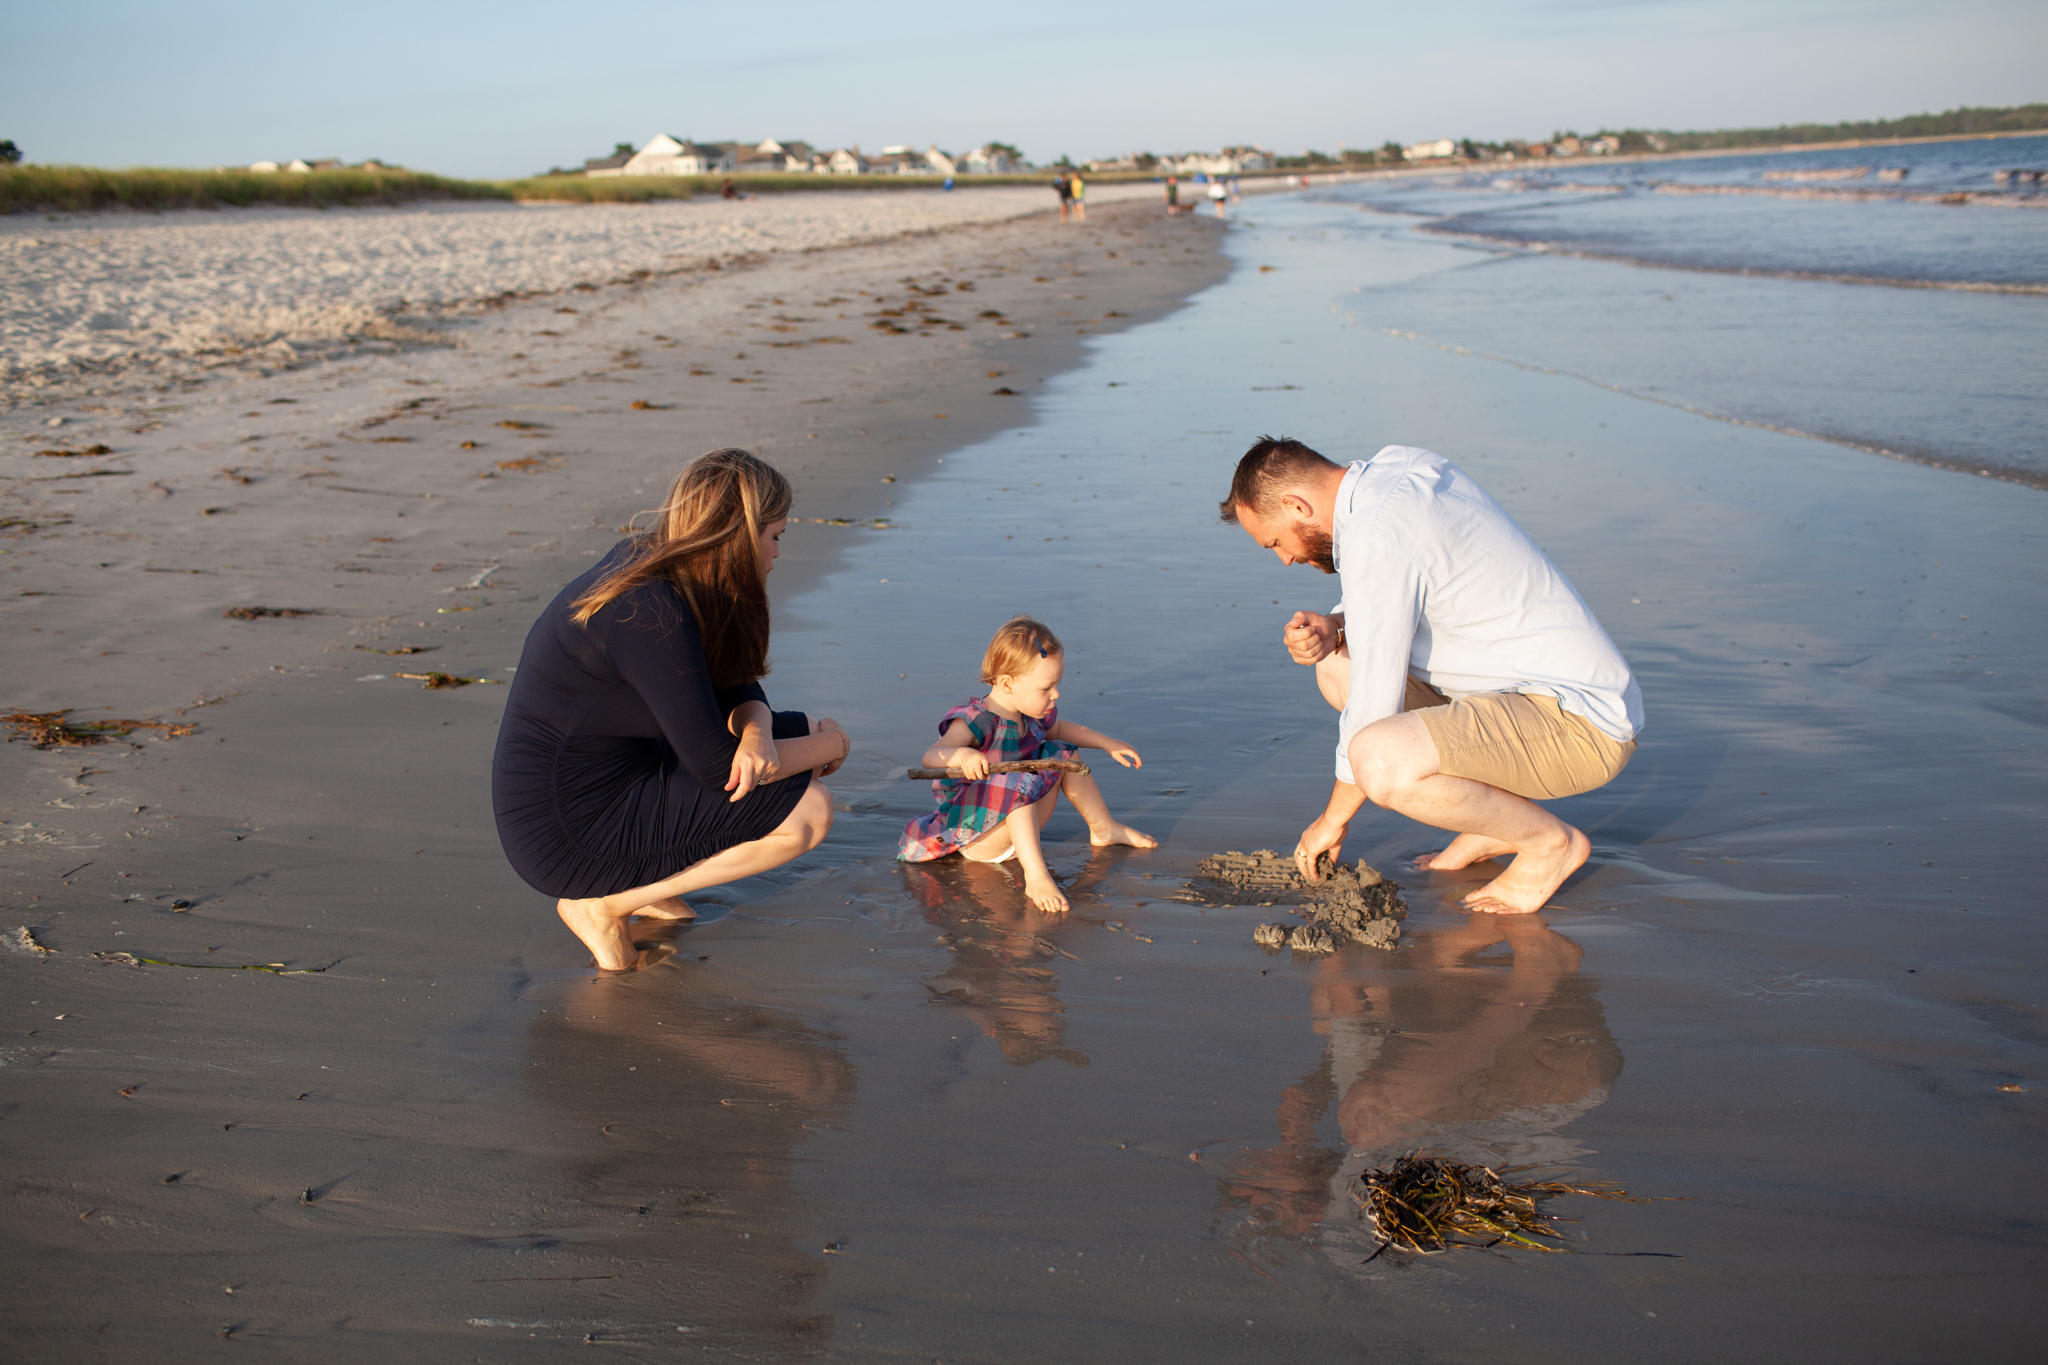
point(514, 87)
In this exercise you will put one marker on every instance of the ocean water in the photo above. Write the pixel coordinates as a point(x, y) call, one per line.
point(1912, 329)
point(1796, 965)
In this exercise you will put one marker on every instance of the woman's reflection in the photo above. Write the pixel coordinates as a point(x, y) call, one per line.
point(1477, 1041)
point(681, 1111)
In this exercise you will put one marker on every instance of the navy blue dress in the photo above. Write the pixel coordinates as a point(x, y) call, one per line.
point(613, 755)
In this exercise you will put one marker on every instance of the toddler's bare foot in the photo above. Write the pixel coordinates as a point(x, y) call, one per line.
point(674, 908)
point(1532, 878)
point(603, 930)
point(1045, 893)
point(1464, 851)
point(1114, 833)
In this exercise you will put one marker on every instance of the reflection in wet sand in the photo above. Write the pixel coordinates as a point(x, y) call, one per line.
point(1003, 962)
point(1455, 1047)
point(680, 1110)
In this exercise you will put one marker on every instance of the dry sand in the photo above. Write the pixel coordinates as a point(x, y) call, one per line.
point(101, 293)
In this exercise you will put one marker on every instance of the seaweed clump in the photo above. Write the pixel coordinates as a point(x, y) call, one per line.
point(1346, 904)
point(1429, 1204)
point(49, 729)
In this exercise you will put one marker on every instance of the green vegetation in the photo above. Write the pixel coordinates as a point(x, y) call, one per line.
point(77, 189)
point(1955, 123)
point(80, 189)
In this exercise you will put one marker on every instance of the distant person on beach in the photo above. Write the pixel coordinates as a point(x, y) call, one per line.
point(1473, 679)
point(1078, 187)
point(730, 191)
point(992, 817)
point(1217, 194)
point(638, 760)
point(1172, 196)
point(1064, 188)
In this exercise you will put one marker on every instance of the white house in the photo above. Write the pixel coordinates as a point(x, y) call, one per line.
point(844, 161)
point(1431, 151)
point(665, 155)
point(941, 163)
point(986, 160)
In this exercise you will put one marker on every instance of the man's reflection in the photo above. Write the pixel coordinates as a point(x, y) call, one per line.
point(1004, 958)
point(1477, 1040)
point(680, 1113)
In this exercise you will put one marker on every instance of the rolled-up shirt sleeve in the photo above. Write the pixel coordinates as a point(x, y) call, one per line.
point(1382, 608)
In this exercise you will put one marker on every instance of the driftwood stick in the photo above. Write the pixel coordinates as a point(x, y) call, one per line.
point(1029, 765)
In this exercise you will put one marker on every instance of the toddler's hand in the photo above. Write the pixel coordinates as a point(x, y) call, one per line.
point(1124, 754)
point(972, 763)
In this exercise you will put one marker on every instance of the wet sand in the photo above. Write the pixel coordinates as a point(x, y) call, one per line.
point(875, 1112)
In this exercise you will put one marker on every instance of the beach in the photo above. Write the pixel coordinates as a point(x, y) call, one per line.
point(870, 1111)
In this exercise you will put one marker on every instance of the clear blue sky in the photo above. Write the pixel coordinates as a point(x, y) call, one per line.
point(513, 87)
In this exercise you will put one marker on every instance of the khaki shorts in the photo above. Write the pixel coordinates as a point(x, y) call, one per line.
point(1519, 742)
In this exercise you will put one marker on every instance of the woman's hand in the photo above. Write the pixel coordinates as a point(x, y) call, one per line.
point(1123, 753)
point(753, 762)
point(826, 725)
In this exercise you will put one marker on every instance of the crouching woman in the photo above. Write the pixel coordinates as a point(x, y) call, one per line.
point(638, 761)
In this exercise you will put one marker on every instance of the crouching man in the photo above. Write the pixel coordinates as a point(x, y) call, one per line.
point(1473, 679)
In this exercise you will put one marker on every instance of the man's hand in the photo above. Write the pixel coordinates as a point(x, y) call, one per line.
point(1310, 637)
point(1319, 838)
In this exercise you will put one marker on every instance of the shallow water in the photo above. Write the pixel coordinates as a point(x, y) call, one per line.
point(1802, 960)
point(1946, 377)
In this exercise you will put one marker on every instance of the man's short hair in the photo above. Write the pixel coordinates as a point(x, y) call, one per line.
point(1273, 465)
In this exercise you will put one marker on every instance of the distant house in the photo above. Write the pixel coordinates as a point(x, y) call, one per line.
point(899, 161)
point(844, 161)
point(1567, 146)
point(666, 155)
point(1249, 158)
point(1604, 146)
point(265, 166)
point(1431, 151)
point(941, 163)
point(986, 160)
point(1127, 162)
point(614, 164)
point(789, 156)
point(326, 163)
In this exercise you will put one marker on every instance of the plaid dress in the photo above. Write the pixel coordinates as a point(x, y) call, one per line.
point(968, 810)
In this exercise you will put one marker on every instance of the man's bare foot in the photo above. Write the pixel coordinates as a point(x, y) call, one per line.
point(1045, 893)
point(1464, 851)
point(1532, 878)
point(1114, 833)
point(674, 908)
point(603, 930)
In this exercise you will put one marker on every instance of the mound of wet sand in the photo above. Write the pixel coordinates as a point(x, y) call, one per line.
point(1346, 904)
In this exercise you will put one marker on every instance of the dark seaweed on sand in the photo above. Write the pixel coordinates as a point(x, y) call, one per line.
point(254, 613)
point(440, 680)
point(1429, 1204)
point(49, 729)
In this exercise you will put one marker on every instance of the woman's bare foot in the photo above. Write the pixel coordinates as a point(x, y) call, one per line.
point(1464, 851)
point(603, 930)
point(1045, 893)
point(674, 908)
point(1532, 878)
point(1113, 833)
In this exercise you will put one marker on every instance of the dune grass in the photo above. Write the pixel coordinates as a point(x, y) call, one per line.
point(82, 189)
point(79, 189)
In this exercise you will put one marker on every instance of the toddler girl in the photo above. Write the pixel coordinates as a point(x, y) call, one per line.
point(990, 818)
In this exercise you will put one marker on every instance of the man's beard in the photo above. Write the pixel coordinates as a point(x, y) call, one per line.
point(1316, 547)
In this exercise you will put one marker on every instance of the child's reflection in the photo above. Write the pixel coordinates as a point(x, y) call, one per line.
point(1449, 1044)
point(1004, 953)
point(681, 1114)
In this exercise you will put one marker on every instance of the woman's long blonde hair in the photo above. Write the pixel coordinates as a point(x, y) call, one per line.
point(707, 542)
